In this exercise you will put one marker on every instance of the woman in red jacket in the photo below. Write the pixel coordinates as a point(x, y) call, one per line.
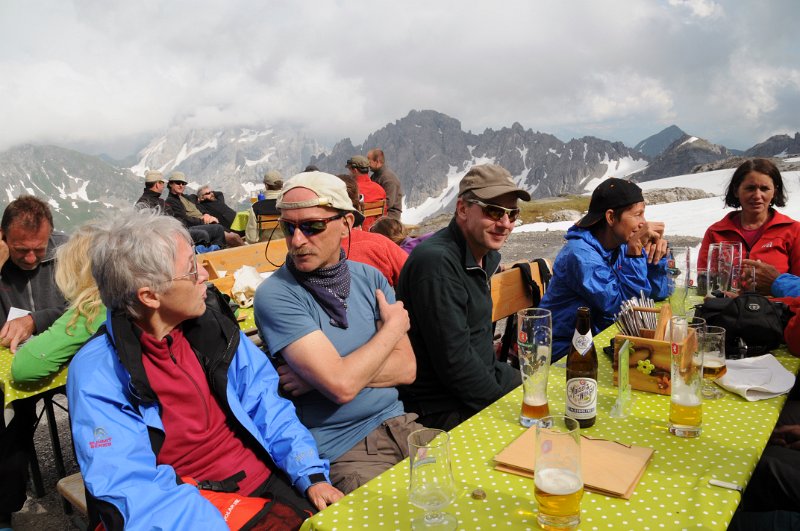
point(767, 236)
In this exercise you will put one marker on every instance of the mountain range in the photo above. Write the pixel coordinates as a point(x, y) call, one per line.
point(428, 150)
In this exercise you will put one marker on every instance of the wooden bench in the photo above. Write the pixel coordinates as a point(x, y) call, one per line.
point(264, 256)
point(73, 493)
point(509, 294)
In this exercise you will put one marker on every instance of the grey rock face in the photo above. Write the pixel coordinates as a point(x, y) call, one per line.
point(681, 157)
point(232, 160)
point(672, 195)
point(655, 145)
point(425, 146)
point(776, 146)
point(78, 187)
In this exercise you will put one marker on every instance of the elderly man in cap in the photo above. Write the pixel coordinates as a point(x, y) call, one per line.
point(181, 207)
point(273, 181)
point(445, 286)
point(611, 255)
point(370, 191)
point(171, 389)
point(341, 334)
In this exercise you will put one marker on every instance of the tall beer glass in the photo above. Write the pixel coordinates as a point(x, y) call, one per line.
point(534, 342)
point(558, 484)
point(713, 346)
point(679, 275)
point(713, 267)
point(685, 407)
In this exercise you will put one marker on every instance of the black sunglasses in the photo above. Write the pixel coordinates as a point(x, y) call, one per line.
point(496, 212)
point(308, 227)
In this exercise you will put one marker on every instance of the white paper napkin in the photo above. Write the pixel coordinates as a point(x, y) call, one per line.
point(757, 378)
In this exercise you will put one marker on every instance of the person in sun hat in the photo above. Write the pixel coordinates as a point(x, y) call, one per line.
point(273, 182)
point(445, 287)
point(153, 188)
point(611, 254)
point(338, 336)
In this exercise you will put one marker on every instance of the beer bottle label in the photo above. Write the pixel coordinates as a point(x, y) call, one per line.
point(582, 343)
point(581, 398)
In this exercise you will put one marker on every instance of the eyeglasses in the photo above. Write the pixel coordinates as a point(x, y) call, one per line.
point(193, 273)
point(208, 194)
point(309, 227)
point(496, 212)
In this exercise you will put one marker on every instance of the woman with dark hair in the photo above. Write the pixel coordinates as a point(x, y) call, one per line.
point(768, 237)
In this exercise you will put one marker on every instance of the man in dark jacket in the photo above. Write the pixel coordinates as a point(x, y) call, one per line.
point(180, 207)
point(445, 285)
point(153, 188)
point(385, 177)
point(27, 291)
point(213, 203)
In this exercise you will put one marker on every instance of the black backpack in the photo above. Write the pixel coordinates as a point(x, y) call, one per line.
point(752, 318)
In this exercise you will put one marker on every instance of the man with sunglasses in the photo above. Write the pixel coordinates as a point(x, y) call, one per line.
point(170, 389)
point(445, 285)
point(612, 254)
point(213, 203)
point(341, 334)
point(202, 227)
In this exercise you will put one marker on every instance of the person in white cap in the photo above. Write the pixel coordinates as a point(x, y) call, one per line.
point(342, 336)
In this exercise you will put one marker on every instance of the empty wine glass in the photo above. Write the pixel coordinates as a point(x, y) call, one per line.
point(431, 485)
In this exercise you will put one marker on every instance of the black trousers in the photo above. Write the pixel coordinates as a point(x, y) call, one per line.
point(213, 234)
point(16, 445)
point(775, 484)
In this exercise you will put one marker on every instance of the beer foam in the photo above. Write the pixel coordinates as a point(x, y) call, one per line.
point(557, 481)
point(713, 363)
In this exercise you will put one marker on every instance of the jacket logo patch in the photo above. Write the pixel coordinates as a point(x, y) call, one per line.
point(766, 245)
point(753, 306)
point(101, 439)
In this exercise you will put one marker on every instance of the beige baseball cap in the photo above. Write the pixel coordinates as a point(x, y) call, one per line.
point(331, 192)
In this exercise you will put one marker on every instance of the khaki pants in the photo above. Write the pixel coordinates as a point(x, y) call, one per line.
point(381, 449)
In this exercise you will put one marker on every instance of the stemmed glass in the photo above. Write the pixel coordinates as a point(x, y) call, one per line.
point(431, 485)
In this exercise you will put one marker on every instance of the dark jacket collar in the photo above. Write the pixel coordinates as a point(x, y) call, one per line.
point(490, 262)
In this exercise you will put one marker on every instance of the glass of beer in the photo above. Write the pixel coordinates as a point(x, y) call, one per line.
point(713, 346)
point(432, 486)
point(686, 404)
point(534, 342)
point(558, 484)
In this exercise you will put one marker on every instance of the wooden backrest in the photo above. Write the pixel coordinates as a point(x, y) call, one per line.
point(374, 208)
point(229, 260)
point(509, 294)
point(267, 221)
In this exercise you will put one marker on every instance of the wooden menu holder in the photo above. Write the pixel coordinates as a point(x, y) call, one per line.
point(650, 354)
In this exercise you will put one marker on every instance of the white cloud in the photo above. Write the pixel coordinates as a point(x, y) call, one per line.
point(83, 71)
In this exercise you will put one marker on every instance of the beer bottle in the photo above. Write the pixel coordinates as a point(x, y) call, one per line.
point(581, 401)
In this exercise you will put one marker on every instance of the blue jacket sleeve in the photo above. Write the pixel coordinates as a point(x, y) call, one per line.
point(659, 281)
point(604, 287)
point(274, 421)
point(113, 449)
point(786, 285)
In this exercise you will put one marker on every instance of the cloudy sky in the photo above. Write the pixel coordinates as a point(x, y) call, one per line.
point(108, 75)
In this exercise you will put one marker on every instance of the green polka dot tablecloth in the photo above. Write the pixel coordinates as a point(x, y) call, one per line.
point(673, 493)
point(249, 321)
point(13, 391)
